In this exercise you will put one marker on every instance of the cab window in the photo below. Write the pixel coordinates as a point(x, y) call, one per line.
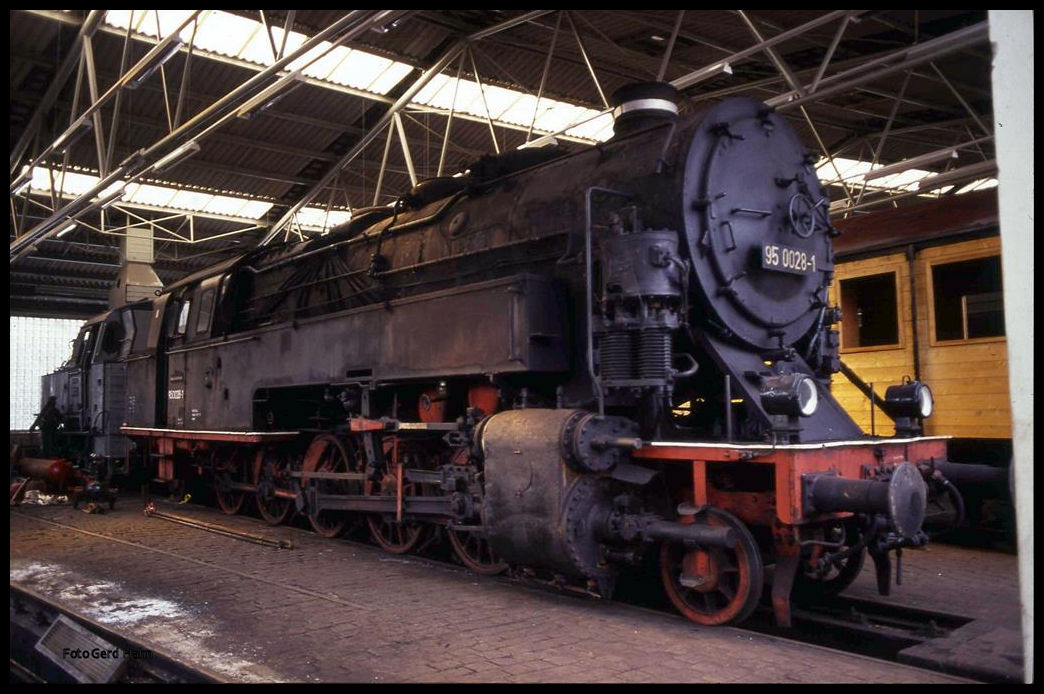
point(142, 323)
point(88, 345)
point(183, 315)
point(206, 311)
point(77, 349)
point(129, 331)
point(109, 342)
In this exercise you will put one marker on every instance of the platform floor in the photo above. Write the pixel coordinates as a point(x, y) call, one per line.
point(337, 611)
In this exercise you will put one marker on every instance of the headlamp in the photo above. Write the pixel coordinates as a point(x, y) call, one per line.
point(789, 394)
point(911, 399)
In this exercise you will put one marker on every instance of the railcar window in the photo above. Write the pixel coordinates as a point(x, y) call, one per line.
point(183, 315)
point(967, 299)
point(206, 311)
point(870, 311)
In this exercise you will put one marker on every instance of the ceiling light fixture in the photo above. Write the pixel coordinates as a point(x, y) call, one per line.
point(106, 201)
point(23, 181)
point(269, 96)
point(73, 133)
point(176, 156)
point(154, 63)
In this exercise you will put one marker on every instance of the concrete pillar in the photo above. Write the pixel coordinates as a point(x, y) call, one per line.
point(1011, 35)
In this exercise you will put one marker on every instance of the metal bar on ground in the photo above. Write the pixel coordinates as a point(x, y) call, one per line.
point(151, 512)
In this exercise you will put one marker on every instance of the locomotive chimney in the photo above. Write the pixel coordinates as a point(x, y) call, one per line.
point(642, 105)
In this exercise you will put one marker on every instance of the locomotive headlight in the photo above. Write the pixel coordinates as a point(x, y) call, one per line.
point(789, 394)
point(911, 399)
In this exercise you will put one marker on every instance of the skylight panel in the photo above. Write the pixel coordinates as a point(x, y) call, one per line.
point(151, 195)
point(191, 200)
point(499, 100)
point(76, 183)
point(325, 67)
point(255, 209)
point(246, 39)
point(72, 184)
point(980, 184)
point(520, 112)
point(396, 72)
point(599, 128)
point(258, 50)
point(223, 204)
point(361, 70)
point(469, 99)
point(316, 218)
point(847, 168)
point(432, 93)
point(560, 116)
point(294, 41)
point(228, 34)
point(118, 18)
point(852, 172)
point(905, 180)
point(169, 20)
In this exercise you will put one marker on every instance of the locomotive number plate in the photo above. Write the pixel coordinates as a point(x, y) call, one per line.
point(784, 259)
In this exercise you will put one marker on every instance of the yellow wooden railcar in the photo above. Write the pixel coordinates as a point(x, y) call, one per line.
point(920, 292)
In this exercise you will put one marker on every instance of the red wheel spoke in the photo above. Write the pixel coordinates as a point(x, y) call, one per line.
point(725, 583)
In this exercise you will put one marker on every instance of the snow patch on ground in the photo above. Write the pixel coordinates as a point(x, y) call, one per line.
point(176, 628)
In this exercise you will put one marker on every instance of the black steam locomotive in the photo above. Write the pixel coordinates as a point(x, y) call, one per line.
point(564, 362)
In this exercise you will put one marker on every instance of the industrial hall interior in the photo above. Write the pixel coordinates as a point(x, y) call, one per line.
point(521, 346)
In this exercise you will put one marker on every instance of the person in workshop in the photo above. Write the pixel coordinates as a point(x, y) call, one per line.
point(50, 421)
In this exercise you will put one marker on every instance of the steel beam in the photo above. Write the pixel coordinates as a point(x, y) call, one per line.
point(92, 86)
point(884, 133)
point(449, 124)
point(960, 99)
point(411, 91)
point(337, 87)
point(887, 64)
point(587, 61)
point(127, 77)
point(485, 105)
point(543, 78)
point(349, 26)
point(686, 81)
point(61, 75)
point(405, 148)
point(670, 46)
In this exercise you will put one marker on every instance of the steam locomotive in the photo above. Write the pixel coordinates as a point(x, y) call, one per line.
point(565, 362)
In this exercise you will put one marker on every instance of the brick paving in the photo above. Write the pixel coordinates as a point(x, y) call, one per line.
point(981, 584)
point(341, 612)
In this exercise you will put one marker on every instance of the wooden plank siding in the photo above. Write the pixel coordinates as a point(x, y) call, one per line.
point(969, 378)
point(985, 412)
point(882, 366)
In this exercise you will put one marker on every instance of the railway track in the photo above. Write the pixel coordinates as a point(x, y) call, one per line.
point(853, 626)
